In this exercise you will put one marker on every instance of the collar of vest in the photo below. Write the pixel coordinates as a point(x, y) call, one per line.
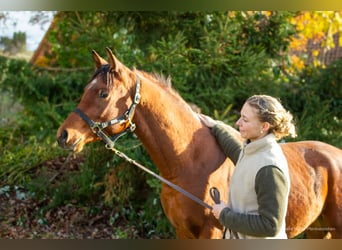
point(260, 145)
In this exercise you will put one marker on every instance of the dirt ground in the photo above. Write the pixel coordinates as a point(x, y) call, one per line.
point(22, 217)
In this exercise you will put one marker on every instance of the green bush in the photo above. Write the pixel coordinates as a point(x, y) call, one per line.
point(28, 142)
point(315, 98)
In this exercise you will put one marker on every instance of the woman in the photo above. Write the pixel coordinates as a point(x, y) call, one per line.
point(259, 186)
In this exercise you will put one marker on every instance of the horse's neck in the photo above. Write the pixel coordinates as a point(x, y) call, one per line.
point(166, 126)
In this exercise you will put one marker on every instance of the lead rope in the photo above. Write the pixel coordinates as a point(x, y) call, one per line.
point(214, 193)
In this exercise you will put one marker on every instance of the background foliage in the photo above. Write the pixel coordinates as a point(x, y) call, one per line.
point(216, 60)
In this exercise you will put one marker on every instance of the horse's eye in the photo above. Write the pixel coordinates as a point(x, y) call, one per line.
point(103, 93)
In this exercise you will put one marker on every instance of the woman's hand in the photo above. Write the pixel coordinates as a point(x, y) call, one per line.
point(207, 120)
point(217, 208)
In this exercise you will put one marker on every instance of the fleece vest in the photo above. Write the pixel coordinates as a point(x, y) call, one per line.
point(254, 156)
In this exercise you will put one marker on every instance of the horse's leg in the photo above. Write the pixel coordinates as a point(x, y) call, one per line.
point(326, 197)
point(333, 218)
point(329, 223)
point(328, 226)
point(333, 208)
point(210, 229)
point(211, 232)
point(206, 231)
point(332, 213)
point(318, 230)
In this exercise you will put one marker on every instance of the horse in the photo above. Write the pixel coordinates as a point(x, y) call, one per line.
point(118, 99)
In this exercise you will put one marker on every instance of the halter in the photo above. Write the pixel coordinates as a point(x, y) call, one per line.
point(98, 127)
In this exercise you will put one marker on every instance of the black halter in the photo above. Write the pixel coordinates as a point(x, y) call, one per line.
point(97, 127)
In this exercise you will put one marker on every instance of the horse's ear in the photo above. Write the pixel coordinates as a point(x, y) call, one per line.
point(99, 61)
point(113, 61)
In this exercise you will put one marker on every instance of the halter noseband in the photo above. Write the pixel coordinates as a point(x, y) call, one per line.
point(97, 127)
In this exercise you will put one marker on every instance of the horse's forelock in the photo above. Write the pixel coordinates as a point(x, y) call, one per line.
point(102, 70)
point(105, 74)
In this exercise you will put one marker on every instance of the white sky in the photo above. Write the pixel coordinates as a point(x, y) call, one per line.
point(19, 21)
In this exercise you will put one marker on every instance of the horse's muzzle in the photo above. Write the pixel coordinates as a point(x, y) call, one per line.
point(62, 139)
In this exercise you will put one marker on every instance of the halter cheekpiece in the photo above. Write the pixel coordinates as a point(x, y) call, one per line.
point(98, 127)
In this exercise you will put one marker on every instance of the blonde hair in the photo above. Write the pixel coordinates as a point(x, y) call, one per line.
point(270, 110)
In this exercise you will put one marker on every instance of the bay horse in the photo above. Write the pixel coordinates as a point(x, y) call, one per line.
point(117, 99)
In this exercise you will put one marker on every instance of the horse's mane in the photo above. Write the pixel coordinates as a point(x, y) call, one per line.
point(161, 80)
point(157, 78)
point(165, 83)
point(104, 72)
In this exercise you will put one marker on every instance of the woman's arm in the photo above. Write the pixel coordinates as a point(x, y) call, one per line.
point(271, 188)
point(229, 140)
point(227, 137)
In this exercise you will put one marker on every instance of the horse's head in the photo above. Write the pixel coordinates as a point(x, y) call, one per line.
point(106, 107)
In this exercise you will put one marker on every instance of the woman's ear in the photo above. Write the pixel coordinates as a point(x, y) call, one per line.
point(266, 126)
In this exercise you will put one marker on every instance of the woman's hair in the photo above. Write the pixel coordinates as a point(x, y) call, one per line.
point(270, 110)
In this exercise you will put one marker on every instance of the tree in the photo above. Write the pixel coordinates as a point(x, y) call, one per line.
point(318, 32)
point(10, 20)
point(205, 53)
point(14, 45)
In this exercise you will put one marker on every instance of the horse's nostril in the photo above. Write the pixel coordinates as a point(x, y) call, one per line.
point(64, 134)
point(62, 138)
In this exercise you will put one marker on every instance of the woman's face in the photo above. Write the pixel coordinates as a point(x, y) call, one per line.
point(251, 128)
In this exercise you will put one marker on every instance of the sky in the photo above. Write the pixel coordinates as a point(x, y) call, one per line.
point(19, 21)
